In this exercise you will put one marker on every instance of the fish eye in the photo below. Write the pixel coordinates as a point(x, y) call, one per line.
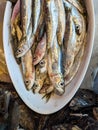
point(27, 82)
point(78, 31)
point(42, 63)
point(61, 84)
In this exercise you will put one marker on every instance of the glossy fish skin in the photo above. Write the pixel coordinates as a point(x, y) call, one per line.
point(76, 64)
point(69, 40)
point(41, 24)
point(41, 74)
point(51, 18)
point(40, 51)
point(83, 98)
point(61, 22)
point(28, 70)
point(25, 13)
point(36, 14)
point(74, 36)
point(55, 68)
point(16, 33)
point(26, 41)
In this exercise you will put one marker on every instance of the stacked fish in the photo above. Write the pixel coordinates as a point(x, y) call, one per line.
point(48, 39)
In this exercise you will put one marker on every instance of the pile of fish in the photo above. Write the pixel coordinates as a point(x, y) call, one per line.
point(48, 39)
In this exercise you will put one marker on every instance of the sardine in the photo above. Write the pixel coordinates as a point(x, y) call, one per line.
point(16, 33)
point(51, 17)
point(41, 74)
point(73, 39)
point(55, 68)
point(41, 24)
point(40, 51)
point(69, 40)
point(28, 70)
point(25, 15)
point(36, 14)
point(61, 21)
point(27, 41)
point(16, 11)
point(76, 64)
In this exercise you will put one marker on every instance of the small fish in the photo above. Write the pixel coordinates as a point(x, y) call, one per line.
point(69, 40)
point(76, 64)
point(28, 70)
point(83, 98)
point(41, 74)
point(40, 51)
point(61, 21)
point(26, 41)
point(16, 35)
point(51, 17)
point(25, 15)
point(74, 36)
point(36, 14)
point(41, 24)
point(16, 11)
point(55, 68)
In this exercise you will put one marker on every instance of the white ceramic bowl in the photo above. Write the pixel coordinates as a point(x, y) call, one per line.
point(35, 102)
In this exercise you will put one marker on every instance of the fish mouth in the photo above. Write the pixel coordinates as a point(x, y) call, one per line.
point(22, 49)
point(36, 88)
point(29, 84)
point(59, 90)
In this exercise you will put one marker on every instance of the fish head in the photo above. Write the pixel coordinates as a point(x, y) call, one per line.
point(22, 49)
point(37, 85)
point(43, 65)
point(59, 85)
point(29, 81)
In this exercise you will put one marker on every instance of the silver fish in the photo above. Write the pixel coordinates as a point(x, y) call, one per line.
point(51, 18)
point(61, 21)
point(40, 51)
point(28, 70)
point(41, 74)
point(75, 65)
point(27, 41)
point(16, 11)
point(55, 68)
point(73, 39)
